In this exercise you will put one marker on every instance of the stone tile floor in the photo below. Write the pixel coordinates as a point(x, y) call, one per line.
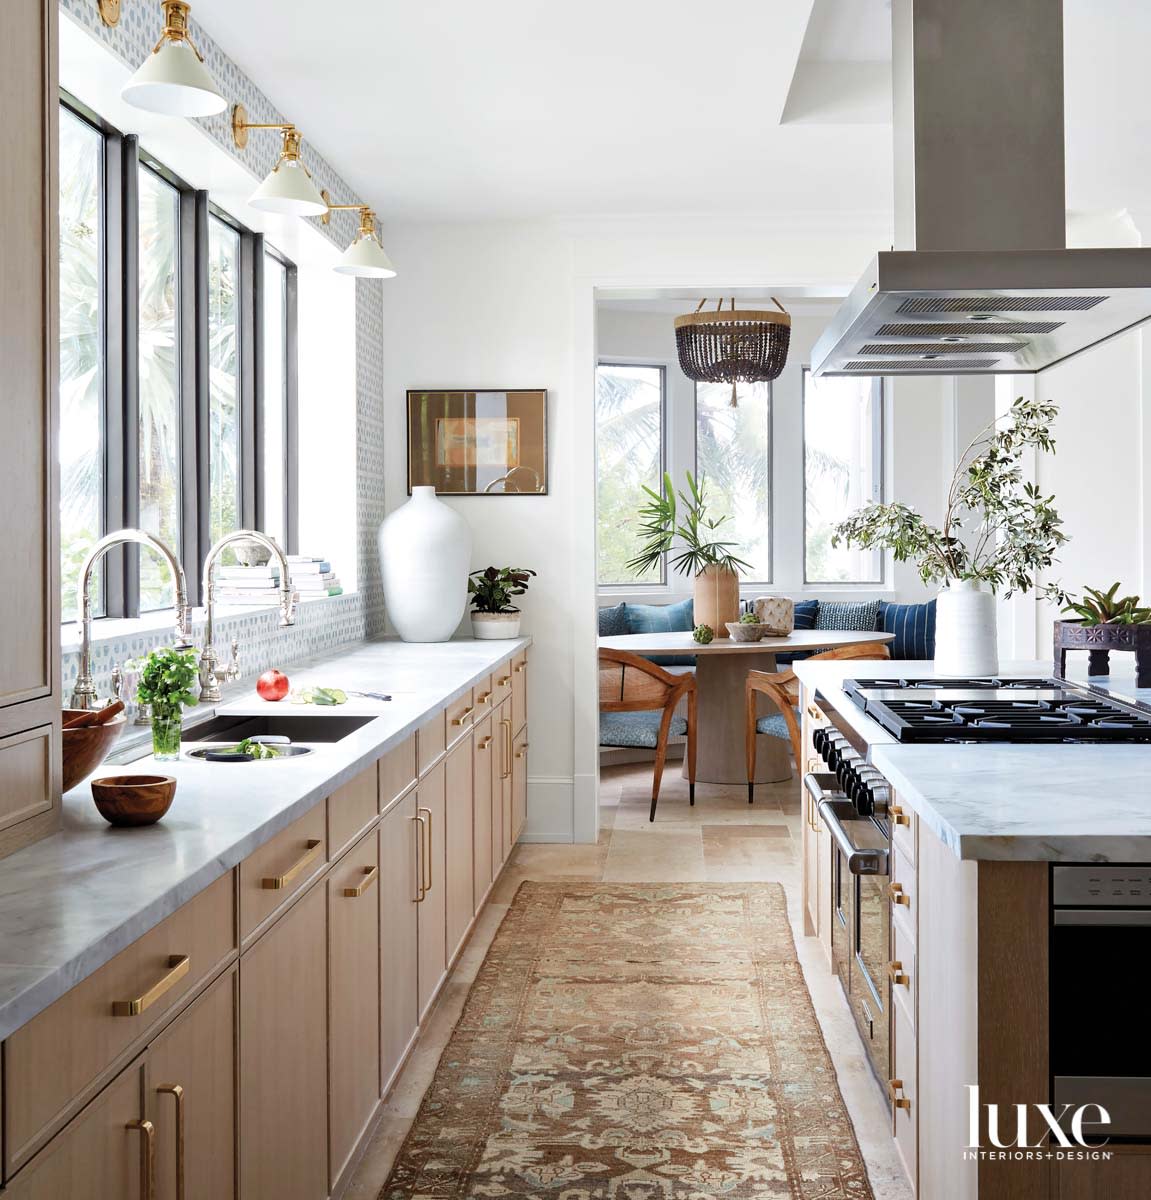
point(721, 839)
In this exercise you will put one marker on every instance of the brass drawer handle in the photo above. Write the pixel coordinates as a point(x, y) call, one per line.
point(507, 728)
point(503, 679)
point(896, 975)
point(898, 816)
point(147, 1157)
point(177, 1093)
point(521, 668)
point(898, 895)
point(273, 883)
point(371, 874)
point(178, 967)
point(484, 742)
point(814, 713)
point(427, 877)
point(894, 1090)
point(484, 698)
point(463, 715)
point(522, 752)
point(421, 891)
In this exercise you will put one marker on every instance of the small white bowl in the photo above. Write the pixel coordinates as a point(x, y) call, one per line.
point(745, 631)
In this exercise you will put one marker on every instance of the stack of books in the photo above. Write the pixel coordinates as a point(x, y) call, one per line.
point(248, 585)
point(313, 577)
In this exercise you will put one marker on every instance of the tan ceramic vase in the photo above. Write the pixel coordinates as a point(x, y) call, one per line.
point(716, 599)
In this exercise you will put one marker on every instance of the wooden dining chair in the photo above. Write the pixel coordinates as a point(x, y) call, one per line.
point(637, 703)
point(782, 688)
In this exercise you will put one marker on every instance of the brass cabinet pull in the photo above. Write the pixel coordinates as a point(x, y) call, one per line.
point(177, 1093)
point(898, 816)
point(428, 881)
point(421, 891)
point(507, 769)
point(520, 668)
point(896, 975)
point(273, 883)
point(503, 679)
point(178, 967)
point(898, 895)
point(371, 874)
point(463, 715)
point(814, 713)
point(894, 1088)
point(484, 742)
point(522, 752)
point(147, 1157)
point(484, 698)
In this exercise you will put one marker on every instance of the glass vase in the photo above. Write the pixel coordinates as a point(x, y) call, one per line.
point(166, 729)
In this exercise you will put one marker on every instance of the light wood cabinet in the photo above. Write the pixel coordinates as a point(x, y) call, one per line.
point(191, 1097)
point(104, 1152)
point(400, 848)
point(353, 999)
point(283, 866)
point(283, 1057)
point(431, 917)
point(459, 849)
point(458, 716)
point(519, 784)
point(502, 778)
point(351, 809)
point(483, 751)
point(519, 691)
point(30, 684)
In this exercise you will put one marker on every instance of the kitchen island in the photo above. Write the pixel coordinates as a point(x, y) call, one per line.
point(975, 948)
point(273, 944)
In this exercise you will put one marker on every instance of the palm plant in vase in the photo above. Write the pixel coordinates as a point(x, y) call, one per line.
point(998, 533)
point(677, 524)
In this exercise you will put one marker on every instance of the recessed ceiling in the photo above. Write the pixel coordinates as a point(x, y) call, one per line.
point(450, 111)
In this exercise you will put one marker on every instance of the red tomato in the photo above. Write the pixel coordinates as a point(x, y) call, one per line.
point(272, 685)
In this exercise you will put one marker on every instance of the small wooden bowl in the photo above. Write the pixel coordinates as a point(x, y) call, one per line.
point(86, 748)
point(133, 799)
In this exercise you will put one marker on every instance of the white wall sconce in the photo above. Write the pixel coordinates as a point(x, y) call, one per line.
point(172, 80)
point(365, 257)
point(288, 189)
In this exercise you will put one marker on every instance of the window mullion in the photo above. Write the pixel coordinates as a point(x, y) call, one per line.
point(128, 476)
point(292, 413)
point(195, 386)
point(250, 399)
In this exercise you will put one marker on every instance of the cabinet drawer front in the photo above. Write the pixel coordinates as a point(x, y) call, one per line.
point(351, 809)
point(459, 716)
point(903, 892)
point(29, 784)
point(397, 771)
point(501, 684)
point(519, 691)
point(483, 752)
point(904, 1094)
point(902, 973)
point(272, 875)
point(904, 829)
point(484, 697)
point(430, 742)
point(57, 1055)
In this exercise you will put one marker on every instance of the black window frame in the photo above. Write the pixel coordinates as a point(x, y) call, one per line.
point(120, 507)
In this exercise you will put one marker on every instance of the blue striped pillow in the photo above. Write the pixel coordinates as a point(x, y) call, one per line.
point(913, 626)
point(806, 615)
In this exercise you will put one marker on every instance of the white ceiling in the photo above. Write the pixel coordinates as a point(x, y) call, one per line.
point(445, 110)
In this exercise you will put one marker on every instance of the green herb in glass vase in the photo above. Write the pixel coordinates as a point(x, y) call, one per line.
point(165, 684)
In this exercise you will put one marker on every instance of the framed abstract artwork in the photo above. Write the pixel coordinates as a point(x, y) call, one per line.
point(478, 443)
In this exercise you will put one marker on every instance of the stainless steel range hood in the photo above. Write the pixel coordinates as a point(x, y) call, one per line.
point(989, 286)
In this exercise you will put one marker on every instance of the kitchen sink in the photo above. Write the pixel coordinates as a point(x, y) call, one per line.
point(299, 727)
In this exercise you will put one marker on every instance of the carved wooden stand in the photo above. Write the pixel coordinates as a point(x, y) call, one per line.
point(1099, 641)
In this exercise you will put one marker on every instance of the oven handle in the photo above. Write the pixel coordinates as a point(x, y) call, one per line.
point(833, 810)
point(1103, 916)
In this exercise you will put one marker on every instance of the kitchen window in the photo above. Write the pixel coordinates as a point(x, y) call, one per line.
point(842, 472)
point(177, 369)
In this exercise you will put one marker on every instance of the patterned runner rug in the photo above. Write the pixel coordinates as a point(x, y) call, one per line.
point(639, 1042)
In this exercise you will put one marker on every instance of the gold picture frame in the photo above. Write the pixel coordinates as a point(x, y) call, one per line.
point(478, 443)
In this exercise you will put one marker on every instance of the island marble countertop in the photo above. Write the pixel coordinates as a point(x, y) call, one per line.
point(1060, 803)
point(71, 902)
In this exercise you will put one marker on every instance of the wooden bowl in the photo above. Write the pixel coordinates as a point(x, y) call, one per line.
point(133, 799)
point(85, 749)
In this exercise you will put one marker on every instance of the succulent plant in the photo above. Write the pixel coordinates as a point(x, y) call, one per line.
point(703, 634)
point(1107, 608)
point(749, 618)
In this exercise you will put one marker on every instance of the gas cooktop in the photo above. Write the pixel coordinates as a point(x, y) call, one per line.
point(997, 710)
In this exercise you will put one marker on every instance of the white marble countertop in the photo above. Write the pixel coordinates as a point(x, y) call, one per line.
point(71, 902)
point(1062, 803)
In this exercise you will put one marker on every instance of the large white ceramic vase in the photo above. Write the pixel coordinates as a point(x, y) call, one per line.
point(425, 552)
point(966, 640)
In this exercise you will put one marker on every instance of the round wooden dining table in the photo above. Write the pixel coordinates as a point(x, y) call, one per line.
point(721, 669)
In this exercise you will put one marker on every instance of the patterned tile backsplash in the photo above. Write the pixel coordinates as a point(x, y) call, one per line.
point(321, 625)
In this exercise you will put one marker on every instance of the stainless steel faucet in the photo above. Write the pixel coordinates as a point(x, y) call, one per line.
point(211, 674)
point(84, 693)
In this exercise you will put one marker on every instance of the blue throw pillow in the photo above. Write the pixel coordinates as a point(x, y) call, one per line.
point(913, 626)
point(854, 615)
point(806, 614)
point(613, 621)
point(663, 618)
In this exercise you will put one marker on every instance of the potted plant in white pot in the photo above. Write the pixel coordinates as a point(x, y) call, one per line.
point(703, 555)
point(493, 613)
point(998, 532)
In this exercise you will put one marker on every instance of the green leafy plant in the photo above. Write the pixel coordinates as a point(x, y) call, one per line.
point(255, 749)
point(492, 588)
point(749, 618)
point(662, 523)
point(166, 681)
point(703, 634)
point(1097, 607)
point(997, 529)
